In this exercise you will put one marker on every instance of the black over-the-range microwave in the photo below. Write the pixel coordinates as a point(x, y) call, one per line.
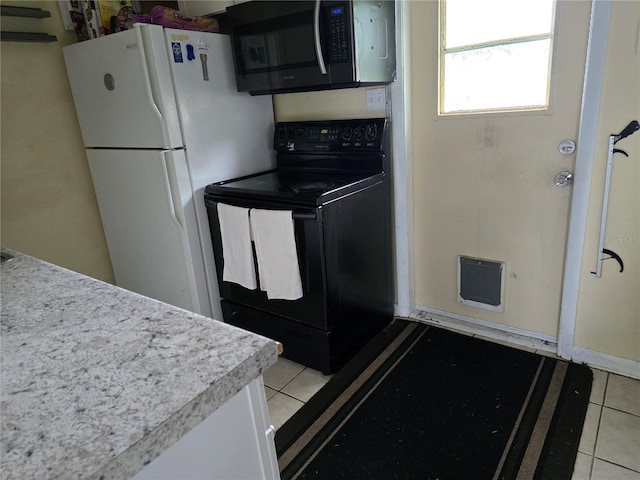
point(291, 46)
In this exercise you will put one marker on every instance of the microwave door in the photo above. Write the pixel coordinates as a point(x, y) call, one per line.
point(277, 50)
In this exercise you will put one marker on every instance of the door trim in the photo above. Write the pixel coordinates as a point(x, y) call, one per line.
point(484, 328)
point(587, 134)
point(402, 167)
point(403, 186)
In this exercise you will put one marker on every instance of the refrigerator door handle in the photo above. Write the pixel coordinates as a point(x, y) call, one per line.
point(205, 69)
point(147, 83)
point(173, 192)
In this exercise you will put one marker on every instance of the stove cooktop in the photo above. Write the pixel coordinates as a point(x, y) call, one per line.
point(317, 161)
point(307, 188)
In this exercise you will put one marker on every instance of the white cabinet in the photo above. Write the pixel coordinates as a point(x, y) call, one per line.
point(234, 442)
point(196, 8)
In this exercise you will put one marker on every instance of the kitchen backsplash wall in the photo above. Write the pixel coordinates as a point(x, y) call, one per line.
point(324, 105)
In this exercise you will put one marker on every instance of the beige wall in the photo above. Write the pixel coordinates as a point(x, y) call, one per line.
point(333, 104)
point(49, 208)
point(608, 318)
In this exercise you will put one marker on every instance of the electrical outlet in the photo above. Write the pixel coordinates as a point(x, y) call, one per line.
point(376, 99)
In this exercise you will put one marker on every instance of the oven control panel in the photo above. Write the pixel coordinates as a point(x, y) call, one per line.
point(361, 135)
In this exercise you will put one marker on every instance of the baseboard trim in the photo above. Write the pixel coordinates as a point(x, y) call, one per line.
point(604, 361)
point(525, 338)
point(487, 329)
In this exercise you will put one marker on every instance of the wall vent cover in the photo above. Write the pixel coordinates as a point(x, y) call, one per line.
point(481, 283)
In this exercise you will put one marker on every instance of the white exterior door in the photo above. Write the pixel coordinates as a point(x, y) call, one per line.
point(484, 183)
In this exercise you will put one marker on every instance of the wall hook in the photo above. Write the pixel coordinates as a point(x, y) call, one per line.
point(613, 255)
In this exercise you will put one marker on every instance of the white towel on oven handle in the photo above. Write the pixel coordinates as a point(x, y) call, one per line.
point(274, 239)
point(236, 246)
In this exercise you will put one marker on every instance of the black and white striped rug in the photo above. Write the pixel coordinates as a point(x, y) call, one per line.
point(427, 403)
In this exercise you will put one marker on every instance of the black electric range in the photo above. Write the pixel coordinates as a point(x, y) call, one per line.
point(333, 176)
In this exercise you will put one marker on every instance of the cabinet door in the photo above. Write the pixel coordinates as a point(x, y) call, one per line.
point(193, 8)
point(234, 442)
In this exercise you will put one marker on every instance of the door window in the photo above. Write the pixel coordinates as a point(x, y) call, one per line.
point(495, 55)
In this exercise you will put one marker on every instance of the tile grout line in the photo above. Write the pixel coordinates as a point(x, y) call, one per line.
point(621, 411)
point(291, 396)
point(285, 385)
point(294, 377)
point(595, 444)
point(616, 464)
point(288, 381)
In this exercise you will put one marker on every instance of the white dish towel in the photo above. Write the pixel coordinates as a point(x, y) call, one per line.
point(275, 244)
point(236, 246)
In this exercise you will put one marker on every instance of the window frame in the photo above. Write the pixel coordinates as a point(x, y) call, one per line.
point(442, 52)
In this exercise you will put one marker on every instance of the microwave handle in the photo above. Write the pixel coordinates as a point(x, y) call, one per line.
point(316, 35)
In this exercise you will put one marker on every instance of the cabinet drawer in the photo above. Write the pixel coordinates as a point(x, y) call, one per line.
point(301, 343)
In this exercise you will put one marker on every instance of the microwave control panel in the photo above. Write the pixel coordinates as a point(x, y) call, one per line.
point(339, 33)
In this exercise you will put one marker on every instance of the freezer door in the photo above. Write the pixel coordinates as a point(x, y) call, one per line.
point(149, 221)
point(122, 90)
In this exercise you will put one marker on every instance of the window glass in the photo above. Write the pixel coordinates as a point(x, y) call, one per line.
point(470, 22)
point(495, 54)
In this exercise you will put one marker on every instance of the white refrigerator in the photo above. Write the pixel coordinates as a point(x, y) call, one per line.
point(161, 118)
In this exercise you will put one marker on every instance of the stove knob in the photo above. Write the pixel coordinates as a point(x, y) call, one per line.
point(371, 132)
point(346, 133)
point(282, 133)
point(357, 133)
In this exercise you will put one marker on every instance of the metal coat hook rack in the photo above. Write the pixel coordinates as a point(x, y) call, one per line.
point(613, 139)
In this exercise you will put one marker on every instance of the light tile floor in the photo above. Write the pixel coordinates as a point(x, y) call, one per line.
point(610, 443)
point(289, 386)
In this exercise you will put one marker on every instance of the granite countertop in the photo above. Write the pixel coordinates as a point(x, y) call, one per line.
point(97, 381)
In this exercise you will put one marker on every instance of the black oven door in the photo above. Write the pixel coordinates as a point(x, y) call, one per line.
point(284, 46)
point(310, 309)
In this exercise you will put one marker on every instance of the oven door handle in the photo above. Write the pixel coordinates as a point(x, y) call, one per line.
point(316, 37)
point(304, 216)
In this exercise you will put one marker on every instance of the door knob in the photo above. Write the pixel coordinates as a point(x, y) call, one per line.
point(564, 179)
